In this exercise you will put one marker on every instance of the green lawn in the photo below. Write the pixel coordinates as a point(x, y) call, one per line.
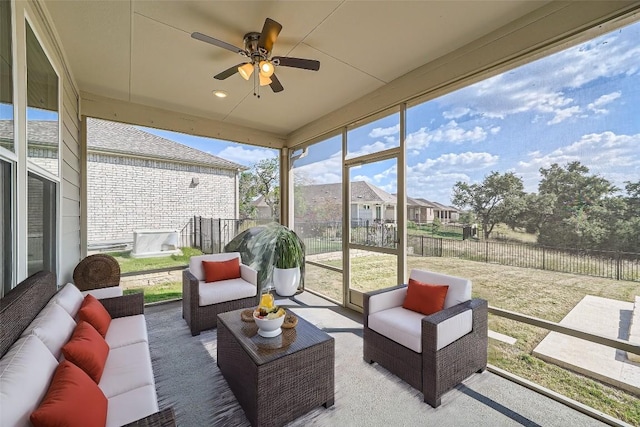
point(156, 293)
point(129, 264)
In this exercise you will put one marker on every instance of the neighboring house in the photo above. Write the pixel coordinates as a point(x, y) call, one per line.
point(322, 202)
point(136, 180)
point(420, 211)
point(263, 210)
point(442, 212)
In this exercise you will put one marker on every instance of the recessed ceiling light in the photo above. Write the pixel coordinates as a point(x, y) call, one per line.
point(220, 93)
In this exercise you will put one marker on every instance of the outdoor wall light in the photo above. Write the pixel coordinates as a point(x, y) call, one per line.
point(195, 181)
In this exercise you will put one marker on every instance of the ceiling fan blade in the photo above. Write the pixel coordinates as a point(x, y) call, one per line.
point(276, 86)
point(208, 39)
point(306, 64)
point(269, 34)
point(228, 72)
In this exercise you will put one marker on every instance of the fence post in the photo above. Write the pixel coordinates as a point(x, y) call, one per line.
point(440, 239)
point(219, 235)
point(486, 252)
point(544, 261)
point(422, 245)
point(618, 265)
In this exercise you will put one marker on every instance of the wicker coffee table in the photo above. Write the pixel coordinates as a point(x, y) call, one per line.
point(276, 380)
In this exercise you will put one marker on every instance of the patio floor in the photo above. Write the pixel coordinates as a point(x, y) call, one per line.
point(188, 379)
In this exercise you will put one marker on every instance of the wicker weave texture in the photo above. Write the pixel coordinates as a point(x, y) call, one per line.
point(287, 385)
point(22, 304)
point(124, 305)
point(164, 418)
point(97, 271)
point(200, 318)
point(434, 372)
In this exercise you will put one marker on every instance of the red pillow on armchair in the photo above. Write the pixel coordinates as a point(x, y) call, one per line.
point(221, 270)
point(425, 298)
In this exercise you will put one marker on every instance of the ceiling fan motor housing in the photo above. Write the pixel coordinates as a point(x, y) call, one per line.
point(251, 46)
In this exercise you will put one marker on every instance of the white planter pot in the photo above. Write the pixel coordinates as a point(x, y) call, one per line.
point(286, 280)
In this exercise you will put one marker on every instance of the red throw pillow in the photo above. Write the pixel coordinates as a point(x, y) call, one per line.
point(425, 298)
point(87, 349)
point(72, 400)
point(93, 311)
point(221, 270)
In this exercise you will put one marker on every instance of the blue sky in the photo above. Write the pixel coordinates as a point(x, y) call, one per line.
point(579, 104)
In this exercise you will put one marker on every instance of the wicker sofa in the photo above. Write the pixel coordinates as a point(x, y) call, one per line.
point(37, 320)
point(432, 353)
point(202, 301)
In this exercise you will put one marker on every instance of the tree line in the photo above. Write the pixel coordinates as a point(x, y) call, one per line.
point(572, 208)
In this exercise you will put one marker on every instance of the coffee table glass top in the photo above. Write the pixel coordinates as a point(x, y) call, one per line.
point(263, 350)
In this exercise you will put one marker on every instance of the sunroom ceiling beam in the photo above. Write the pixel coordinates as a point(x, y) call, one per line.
point(101, 107)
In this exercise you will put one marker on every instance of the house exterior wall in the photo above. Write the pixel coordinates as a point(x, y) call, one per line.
point(126, 194)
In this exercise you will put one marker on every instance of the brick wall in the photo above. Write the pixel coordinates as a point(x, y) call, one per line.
point(125, 194)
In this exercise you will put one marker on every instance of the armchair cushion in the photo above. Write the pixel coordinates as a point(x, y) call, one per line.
point(425, 298)
point(108, 292)
point(454, 328)
point(459, 288)
point(400, 325)
point(388, 299)
point(225, 290)
point(215, 271)
point(195, 262)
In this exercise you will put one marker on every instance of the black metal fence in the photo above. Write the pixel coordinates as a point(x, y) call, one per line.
point(612, 265)
point(210, 235)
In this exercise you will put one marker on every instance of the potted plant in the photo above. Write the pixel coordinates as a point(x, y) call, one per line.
point(289, 256)
point(276, 253)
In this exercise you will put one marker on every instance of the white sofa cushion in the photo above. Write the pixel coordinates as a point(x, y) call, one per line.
point(400, 325)
point(126, 368)
point(126, 330)
point(108, 292)
point(225, 290)
point(131, 406)
point(53, 326)
point(387, 300)
point(459, 288)
point(25, 373)
point(195, 262)
point(454, 328)
point(70, 298)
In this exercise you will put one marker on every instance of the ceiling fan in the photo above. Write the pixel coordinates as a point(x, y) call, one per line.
point(257, 54)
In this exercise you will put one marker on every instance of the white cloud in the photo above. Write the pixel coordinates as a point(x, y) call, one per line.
point(328, 171)
point(607, 154)
point(371, 148)
point(378, 132)
point(541, 86)
point(450, 132)
point(246, 156)
point(596, 105)
point(467, 161)
point(456, 113)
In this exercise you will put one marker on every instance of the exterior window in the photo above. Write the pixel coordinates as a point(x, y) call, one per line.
point(41, 229)
point(5, 222)
point(6, 78)
point(42, 108)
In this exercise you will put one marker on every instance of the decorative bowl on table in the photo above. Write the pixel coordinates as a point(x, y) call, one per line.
point(269, 325)
point(269, 317)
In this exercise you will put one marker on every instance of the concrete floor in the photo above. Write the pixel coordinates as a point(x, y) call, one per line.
point(600, 316)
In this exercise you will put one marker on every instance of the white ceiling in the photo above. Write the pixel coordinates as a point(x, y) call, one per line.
point(141, 51)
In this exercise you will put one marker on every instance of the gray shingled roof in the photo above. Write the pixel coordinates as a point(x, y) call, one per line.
point(440, 206)
point(120, 138)
point(40, 131)
point(361, 192)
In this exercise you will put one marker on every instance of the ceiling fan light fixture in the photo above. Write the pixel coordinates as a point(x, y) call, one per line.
point(246, 70)
point(264, 81)
point(266, 68)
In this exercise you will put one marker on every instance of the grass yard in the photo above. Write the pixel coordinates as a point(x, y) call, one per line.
point(129, 264)
point(160, 292)
point(538, 293)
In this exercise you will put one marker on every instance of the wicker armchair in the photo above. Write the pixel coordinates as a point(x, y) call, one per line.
point(201, 301)
point(448, 346)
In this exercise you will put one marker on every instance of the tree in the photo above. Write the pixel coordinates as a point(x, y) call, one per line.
point(489, 200)
point(580, 216)
point(262, 180)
